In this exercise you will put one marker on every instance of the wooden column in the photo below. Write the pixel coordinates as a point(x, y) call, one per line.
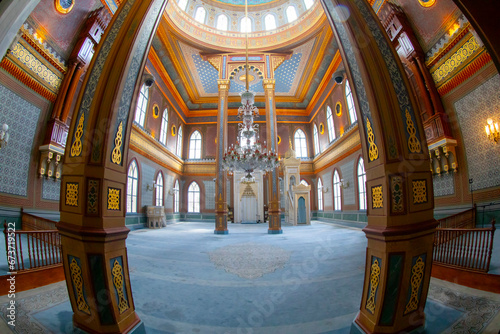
point(94, 178)
point(274, 209)
point(400, 201)
point(221, 178)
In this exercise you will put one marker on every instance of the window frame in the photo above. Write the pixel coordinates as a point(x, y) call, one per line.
point(266, 28)
point(132, 197)
point(164, 127)
point(316, 139)
point(330, 124)
point(301, 145)
point(176, 196)
point(194, 198)
point(351, 107)
point(142, 106)
point(337, 191)
point(199, 9)
point(159, 189)
point(321, 205)
point(245, 18)
point(194, 150)
point(287, 14)
point(217, 22)
point(361, 178)
point(178, 149)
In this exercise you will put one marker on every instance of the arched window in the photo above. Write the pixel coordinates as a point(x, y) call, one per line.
point(304, 182)
point(270, 22)
point(142, 104)
point(245, 25)
point(200, 14)
point(361, 184)
point(194, 197)
point(132, 185)
point(164, 127)
point(308, 3)
point(176, 196)
point(350, 102)
point(195, 145)
point(320, 195)
point(316, 140)
point(329, 122)
point(159, 189)
point(337, 202)
point(178, 151)
point(291, 13)
point(182, 4)
point(222, 22)
point(300, 144)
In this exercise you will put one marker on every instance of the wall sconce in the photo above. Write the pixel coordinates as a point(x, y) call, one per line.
point(492, 130)
point(325, 190)
point(172, 191)
point(151, 188)
point(4, 135)
point(344, 185)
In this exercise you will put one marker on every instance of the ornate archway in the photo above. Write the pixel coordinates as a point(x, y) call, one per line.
point(399, 185)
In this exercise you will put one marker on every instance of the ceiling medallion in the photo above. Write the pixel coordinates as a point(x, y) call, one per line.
point(64, 6)
point(427, 3)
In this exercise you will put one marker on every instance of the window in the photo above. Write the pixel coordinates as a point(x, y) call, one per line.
point(222, 22)
point(245, 25)
point(159, 189)
point(182, 4)
point(132, 185)
point(200, 14)
point(269, 22)
point(176, 196)
point(300, 144)
point(304, 182)
point(194, 197)
point(291, 14)
point(316, 140)
point(308, 3)
point(329, 122)
point(142, 104)
point(362, 184)
point(337, 202)
point(320, 195)
point(164, 128)
point(350, 102)
point(179, 142)
point(195, 145)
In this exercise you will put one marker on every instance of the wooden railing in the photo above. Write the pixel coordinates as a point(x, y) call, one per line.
point(31, 223)
point(28, 250)
point(464, 219)
point(464, 248)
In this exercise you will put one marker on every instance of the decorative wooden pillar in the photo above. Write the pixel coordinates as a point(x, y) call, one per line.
point(274, 210)
point(221, 179)
point(94, 180)
point(400, 201)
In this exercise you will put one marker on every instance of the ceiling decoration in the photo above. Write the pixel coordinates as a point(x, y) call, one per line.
point(242, 2)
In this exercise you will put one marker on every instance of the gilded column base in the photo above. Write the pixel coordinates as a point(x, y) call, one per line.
point(97, 278)
point(221, 223)
point(274, 222)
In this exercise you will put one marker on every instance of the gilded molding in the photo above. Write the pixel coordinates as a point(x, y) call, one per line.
point(223, 84)
point(372, 149)
point(413, 142)
point(374, 281)
point(417, 274)
point(40, 48)
point(419, 188)
point(114, 199)
point(117, 273)
point(76, 278)
point(76, 147)
point(93, 196)
point(269, 83)
point(377, 197)
point(72, 193)
point(116, 156)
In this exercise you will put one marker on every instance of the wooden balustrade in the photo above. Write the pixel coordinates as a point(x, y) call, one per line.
point(32, 249)
point(464, 219)
point(31, 223)
point(464, 248)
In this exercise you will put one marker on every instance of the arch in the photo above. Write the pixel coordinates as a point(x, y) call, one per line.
point(337, 192)
point(142, 105)
point(200, 14)
point(178, 149)
point(246, 25)
point(159, 189)
point(222, 22)
point(132, 186)
point(300, 144)
point(164, 127)
point(320, 195)
point(250, 67)
point(176, 196)
point(316, 140)
point(195, 145)
point(291, 13)
point(194, 198)
point(387, 143)
point(361, 182)
point(329, 123)
point(270, 22)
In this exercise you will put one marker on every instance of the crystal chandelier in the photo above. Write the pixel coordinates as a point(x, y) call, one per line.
point(250, 154)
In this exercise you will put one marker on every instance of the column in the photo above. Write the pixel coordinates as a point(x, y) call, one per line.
point(272, 143)
point(221, 178)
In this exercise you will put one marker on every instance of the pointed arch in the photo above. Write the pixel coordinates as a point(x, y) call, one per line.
point(329, 123)
point(316, 140)
point(194, 197)
point(132, 186)
point(195, 145)
point(361, 178)
point(300, 144)
point(159, 189)
point(320, 195)
point(178, 150)
point(337, 192)
point(177, 195)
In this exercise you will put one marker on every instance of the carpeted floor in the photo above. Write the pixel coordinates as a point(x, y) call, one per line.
point(308, 280)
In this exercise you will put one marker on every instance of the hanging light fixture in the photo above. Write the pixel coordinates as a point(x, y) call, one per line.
point(249, 154)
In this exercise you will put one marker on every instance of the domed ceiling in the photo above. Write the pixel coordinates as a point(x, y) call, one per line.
point(184, 46)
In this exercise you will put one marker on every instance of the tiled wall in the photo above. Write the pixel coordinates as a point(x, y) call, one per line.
point(483, 155)
point(347, 173)
point(51, 189)
point(209, 195)
point(444, 185)
point(22, 118)
point(147, 176)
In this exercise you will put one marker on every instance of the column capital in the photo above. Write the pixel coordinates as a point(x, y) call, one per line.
point(223, 84)
point(269, 83)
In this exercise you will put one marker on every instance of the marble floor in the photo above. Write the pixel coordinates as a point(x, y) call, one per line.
point(307, 280)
